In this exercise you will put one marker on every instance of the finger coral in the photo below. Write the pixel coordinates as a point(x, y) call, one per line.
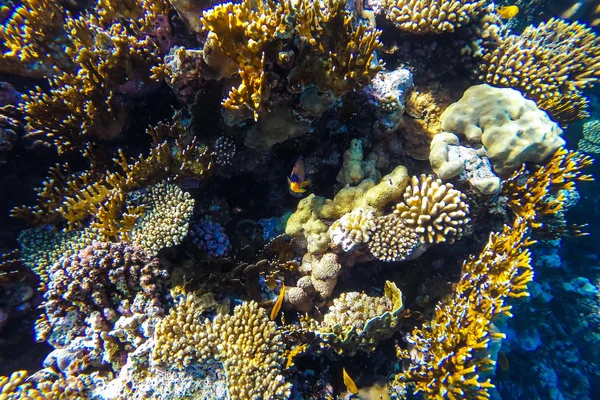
point(165, 222)
point(353, 229)
point(356, 321)
point(436, 211)
point(550, 63)
point(392, 240)
point(433, 16)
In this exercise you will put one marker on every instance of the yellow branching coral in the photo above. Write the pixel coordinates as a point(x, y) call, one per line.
point(433, 16)
point(550, 63)
point(437, 211)
point(392, 240)
point(243, 32)
point(54, 386)
point(337, 57)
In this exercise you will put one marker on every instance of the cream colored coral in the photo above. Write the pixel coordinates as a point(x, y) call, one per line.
point(436, 211)
point(353, 229)
point(250, 350)
point(354, 309)
point(590, 143)
point(511, 128)
point(392, 240)
point(182, 336)
point(433, 16)
point(167, 211)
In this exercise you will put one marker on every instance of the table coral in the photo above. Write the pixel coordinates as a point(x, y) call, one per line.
point(433, 16)
point(551, 63)
point(437, 211)
point(392, 239)
point(511, 128)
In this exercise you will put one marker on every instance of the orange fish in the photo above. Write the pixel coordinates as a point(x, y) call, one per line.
point(297, 180)
point(508, 12)
point(278, 303)
point(349, 382)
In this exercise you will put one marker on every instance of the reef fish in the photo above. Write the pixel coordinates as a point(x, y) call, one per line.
point(503, 361)
point(508, 12)
point(298, 184)
point(278, 303)
point(350, 385)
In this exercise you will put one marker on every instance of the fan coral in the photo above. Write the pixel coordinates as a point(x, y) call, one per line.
point(511, 128)
point(356, 321)
point(551, 63)
point(436, 211)
point(353, 229)
point(392, 240)
point(98, 285)
point(433, 16)
point(591, 137)
point(167, 212)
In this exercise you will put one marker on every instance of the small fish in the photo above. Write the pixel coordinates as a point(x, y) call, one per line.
point(508, 12)
point(571, 11)
point(503, 361)
point(297, 181)
point(278, 303)
point(350, 385)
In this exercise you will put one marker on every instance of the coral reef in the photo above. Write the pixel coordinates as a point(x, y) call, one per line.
point(210, 237)
point(392, 239)
point(433, 16)
point(511, 128)
point(353, 229)
point(590, 143)
point(550, 63)
point(436, 211)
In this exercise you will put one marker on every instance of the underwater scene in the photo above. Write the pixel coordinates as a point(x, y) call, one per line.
point(299, 199)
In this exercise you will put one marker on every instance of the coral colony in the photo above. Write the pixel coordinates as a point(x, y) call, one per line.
point(176, 264)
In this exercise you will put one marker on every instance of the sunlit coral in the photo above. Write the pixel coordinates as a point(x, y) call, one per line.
point(392, 240)
point(437, 211)
point(433, 16)
point(551, 63)
point(353, 229)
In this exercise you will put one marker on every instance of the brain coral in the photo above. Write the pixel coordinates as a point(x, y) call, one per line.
point(433, 16)
point(436, 211)
point(167, 212)
point(511, 128)
point(392, 240)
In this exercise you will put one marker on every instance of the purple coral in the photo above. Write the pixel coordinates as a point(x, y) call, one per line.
point(102, 282)
point(210, 237)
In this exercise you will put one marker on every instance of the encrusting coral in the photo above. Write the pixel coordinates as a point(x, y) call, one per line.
point(550, 63)
point(436, 211)
point(246, 343)
point(165, 222)
point(433, 16)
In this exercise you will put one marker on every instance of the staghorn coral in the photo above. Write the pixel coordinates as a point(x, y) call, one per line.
point(353, 229)
point(392, 240)
point(167, 212)
point(511, 128)
point(590, 143)
point(433, 16)
point(356, 321)
point(121, 56)
point(98, 285)
point(550, 63)
point(436, 211)
point(336, 57)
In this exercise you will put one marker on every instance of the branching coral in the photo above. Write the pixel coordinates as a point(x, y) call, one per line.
point(53, 386)
point(433, 16)
point(167, 212)
point(336, 56)
point(246, 343)
point(392, 240)
point(551, 63)
point(436, 211)
point(591, 137)
point(111, 62)
point(353, 229)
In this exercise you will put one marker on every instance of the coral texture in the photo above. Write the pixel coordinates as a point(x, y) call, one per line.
point(353, 229)
point(436, 211)
point(433, 16)
point(590, 143)
point(167, 212)
point(392, 240)
point(511, 128)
